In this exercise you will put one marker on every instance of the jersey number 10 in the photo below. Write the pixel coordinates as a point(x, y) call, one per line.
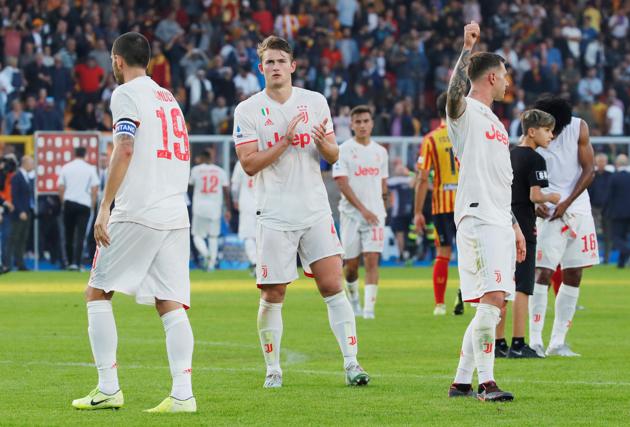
point(179, 132)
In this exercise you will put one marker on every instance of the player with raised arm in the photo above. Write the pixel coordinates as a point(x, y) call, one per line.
point(361, 174)
point(566, 232)
point(530, 176)
point(489, 240)
point(144, 245)
point(436, 153)
point(245, 203)
point(280, 134)
point(211, 197)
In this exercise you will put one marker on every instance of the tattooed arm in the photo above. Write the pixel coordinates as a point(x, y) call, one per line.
point(455, 102)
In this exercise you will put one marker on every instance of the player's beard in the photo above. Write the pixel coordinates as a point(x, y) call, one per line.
point(118, 75)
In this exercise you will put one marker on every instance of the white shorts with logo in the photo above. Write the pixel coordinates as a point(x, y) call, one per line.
point(144, 262)
point(205, 227)
point(357, 236)
point(570, 242)
point(247, 225)
point(486, 258)
point(276, 250)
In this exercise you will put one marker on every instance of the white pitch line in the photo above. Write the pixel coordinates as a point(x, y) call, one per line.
point(320, 372)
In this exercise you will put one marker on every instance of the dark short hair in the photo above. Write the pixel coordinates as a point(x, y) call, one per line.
point(134, 49)
point(360, 109)
point(534, 119)
point(80, 152)
point(440, 104)
point(481, 62)
point(274, 43)
point(558, 107)
point(205, 155)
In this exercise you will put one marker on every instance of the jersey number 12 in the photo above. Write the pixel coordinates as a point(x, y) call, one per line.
point(180, 133)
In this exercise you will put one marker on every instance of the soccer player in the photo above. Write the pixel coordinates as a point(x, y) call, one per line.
point(487, 232)
point(280, 134)
point(211, 186)
point(143, 247)
point(361, 174)
point(530, 175)
point(245, 203)
point(436, 153)
point(566, 232)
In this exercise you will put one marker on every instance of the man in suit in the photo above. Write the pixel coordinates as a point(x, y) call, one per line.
point(618, 209)
point(22, 196)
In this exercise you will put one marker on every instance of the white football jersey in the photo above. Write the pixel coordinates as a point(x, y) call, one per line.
point(243, 190)
point(208, 181)
point(153, 192)
point(563, 168)
point(290, 193)
point(481, 144)
point(365, 166)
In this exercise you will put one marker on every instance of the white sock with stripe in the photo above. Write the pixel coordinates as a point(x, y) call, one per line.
point(342, 323)
point(270, 333)
point(566, 302)
point(370, 298)
point(353, 290)
point(466, 366)
point(104, 341)
point(537, 311)
point(179, 347)
point(483, 335)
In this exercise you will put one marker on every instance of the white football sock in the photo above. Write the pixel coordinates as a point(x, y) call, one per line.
point(483, 335)
point(341, 319)
point(104, 340)
point(370, 297)
point(179, 347)
point(353, 290)
point(270, 333)
point(566, 301)
point(200, 244)
point(537, 311)
point(213, 250)
point(250, 250)
point(466, 366)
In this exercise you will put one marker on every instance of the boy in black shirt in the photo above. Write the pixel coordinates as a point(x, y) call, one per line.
point(530, 175)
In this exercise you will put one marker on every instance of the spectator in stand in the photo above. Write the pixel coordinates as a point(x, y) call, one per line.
point(263, 18)
point(221, 116)
point(78, 189)
point(619, 209)
point(401, 196)
point(198, 87)
point(573, 36)
point(199, 117)
point(401, 123)
point(22, 196)
point(68, 53)
point(347, 11)
point(195, 59)
point(535, 81)
point(598, 193)
point(618, 24)
point(614, 114)
point(18, 121)
point(10, 84)
point(590, 86)
point(246, 82)
point(287, 24)
point(62, 84)
point(37, 76)
point(91, 79)
point(159, 68)
point(47, 116)
point(84, 118)
point(508, 53)
point(102, 55)
point(168, 29)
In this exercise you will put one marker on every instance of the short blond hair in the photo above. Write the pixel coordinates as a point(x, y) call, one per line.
point(274, 43)
point(534, 119)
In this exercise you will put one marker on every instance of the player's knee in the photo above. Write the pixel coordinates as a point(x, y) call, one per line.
point(94, 294)
point(371, 261)
point(444, 252)
point(543, 276)
point(496, 299)
point(273, 293)
point(572, 276)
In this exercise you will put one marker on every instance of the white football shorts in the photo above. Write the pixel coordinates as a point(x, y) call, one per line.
point(357, 236)
point(276, 251)
point(486, 258)
point(570, 241)
point(205, 227)
point(247, 225)
point(144, 262)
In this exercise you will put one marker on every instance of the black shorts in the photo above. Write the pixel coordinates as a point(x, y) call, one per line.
point(400, 223)
point(445, 229)
point(524, 274)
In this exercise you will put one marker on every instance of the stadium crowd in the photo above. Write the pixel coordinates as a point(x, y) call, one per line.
point(395, 56)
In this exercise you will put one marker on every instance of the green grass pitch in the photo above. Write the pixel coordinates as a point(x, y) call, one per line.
point(45, 358)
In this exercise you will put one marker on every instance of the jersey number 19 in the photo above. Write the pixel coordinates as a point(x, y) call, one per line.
point(179, 132)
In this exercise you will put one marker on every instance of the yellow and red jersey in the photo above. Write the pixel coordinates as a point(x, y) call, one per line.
point(436, 153)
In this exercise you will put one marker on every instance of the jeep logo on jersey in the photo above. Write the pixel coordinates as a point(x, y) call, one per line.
point(361, 171)
point(541, 175)
point(301, 139)
point(498, 135)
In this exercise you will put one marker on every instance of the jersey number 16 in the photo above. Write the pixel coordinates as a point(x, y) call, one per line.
point(179, 132)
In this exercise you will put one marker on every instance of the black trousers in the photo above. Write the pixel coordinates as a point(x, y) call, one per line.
point(75, 219)
point(18, 239)
point(621, 236)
